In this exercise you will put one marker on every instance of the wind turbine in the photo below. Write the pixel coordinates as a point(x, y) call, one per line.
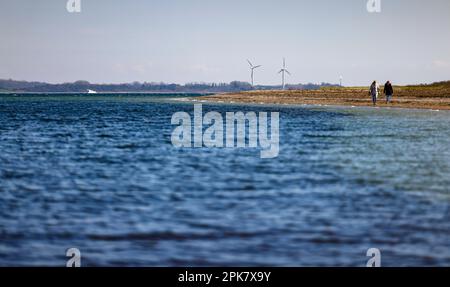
point(252, 68)
point(340, 80)
point(282, 71)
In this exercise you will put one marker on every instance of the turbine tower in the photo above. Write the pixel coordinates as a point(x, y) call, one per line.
point(282, 71)
point(252, 68)
point(340, 80)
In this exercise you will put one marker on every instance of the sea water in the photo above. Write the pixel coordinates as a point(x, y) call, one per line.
point(99, 173)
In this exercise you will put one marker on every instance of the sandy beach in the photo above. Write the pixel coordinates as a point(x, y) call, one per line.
point(436, 96)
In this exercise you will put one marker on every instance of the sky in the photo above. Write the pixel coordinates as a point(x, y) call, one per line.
point(182, 41)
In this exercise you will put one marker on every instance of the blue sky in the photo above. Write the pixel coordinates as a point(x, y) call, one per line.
point(113, 41)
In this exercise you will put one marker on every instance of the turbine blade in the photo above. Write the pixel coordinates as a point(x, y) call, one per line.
point(257, 66)
point(287, 72)
point(250, 63)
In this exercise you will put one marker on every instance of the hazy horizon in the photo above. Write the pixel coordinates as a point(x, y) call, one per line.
point(209, 41)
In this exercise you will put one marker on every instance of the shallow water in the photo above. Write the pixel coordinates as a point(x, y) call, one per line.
point(99, 173)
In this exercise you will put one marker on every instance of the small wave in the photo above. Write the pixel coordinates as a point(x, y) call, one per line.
point(169, 236)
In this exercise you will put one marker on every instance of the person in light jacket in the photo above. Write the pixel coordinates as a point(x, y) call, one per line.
point(373, 91)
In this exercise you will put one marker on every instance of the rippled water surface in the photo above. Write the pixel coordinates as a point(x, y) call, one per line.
point(100, 173)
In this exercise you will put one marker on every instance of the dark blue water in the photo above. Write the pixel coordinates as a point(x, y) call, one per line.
point(100, 174)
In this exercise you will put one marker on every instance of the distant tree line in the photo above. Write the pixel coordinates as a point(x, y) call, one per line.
point(137, 87)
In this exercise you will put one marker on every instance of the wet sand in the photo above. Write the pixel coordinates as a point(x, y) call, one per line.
point(419, 97)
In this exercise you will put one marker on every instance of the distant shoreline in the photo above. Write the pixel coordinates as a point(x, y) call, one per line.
point(430, 97)
point(410, 97)
point(105, 93)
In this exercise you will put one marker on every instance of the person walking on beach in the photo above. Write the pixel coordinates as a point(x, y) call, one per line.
point(388, 91)
point(373, 91)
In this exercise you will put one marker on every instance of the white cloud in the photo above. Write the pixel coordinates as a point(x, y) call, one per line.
point(442, 64)
point(140, 68)
point(202, 68)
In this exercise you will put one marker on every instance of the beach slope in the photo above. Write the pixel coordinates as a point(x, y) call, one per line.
point(435, 96)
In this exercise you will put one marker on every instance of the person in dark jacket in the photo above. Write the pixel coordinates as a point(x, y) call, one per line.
point(388, 91)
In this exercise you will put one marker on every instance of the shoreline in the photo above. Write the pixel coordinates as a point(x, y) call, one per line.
point(419, 97)
point(309, 106)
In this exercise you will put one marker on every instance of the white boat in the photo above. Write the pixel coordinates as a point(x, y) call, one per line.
point(91, 92)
